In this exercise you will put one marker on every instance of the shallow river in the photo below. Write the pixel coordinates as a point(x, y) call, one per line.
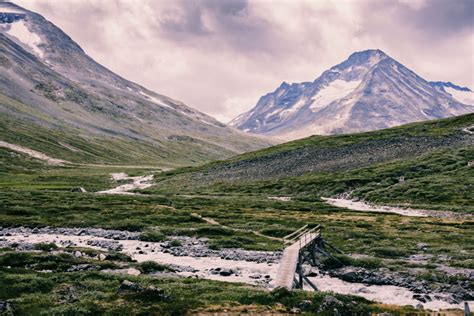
point(244, 271)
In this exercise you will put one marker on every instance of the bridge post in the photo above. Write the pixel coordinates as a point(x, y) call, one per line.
point(299, 269)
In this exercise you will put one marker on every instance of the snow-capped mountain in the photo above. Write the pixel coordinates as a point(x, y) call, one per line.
point(368, 91)
point(43, 68)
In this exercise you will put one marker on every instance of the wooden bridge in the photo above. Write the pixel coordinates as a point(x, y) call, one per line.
point(303, 245)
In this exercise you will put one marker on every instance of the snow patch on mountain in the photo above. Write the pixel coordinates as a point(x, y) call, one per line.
point(336, 90)
point(20, 31)
point(295, 108)
point(155, 100)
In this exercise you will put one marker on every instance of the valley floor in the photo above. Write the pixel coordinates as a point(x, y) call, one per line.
point(83, 237)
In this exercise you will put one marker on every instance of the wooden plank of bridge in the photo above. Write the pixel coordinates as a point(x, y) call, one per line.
point(289, 260)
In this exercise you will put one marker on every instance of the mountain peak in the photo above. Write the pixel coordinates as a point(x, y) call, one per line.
point(9, 7)
point(369, 52)
point(369, 57)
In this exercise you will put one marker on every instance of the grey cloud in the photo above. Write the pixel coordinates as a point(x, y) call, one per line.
point(444, 16)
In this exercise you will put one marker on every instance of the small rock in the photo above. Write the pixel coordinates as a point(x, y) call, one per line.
point(295, 310)
point(330, 303)
point(305, 305)
point(419, 297)
point(5, 308)
point(77, 254)
point(226, 272)
point(102, 257)
point(422, 246)
point(79, 190)
point(128, 286)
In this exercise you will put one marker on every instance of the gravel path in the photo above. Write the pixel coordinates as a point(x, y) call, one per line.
point(366, 207)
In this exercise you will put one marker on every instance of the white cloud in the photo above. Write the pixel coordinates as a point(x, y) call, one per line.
point(221, 56)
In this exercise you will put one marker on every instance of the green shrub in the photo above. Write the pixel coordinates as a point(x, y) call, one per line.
point(152, 266)
point(46, 246)
point(213, 231)
point(153, 236)
point(390, 252)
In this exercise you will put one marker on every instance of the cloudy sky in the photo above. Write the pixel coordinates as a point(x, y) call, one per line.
point(220, 56)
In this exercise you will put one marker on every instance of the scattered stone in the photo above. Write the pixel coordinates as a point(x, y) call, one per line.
point(330, 303)
point(106, 244)
point(128, 286)
point(83, 267)
point(79, 190)
point(126, 271)
point(422, 246)
point(77, 254)
point(305, 305)
point(101, 257)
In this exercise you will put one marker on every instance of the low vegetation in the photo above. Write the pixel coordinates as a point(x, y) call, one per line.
point(35, 194)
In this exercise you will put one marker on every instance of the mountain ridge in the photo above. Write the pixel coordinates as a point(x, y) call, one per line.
point(367, 91)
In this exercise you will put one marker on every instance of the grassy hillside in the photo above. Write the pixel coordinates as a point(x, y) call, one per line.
point(35, 194)
point(433, 157)
point(60, 140)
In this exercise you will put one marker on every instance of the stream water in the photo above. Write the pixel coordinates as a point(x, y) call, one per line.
point(257, 273)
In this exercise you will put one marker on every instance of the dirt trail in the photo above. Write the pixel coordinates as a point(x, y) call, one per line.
point(211, 221)
point(365, 207)
point(139, 182)
point(33, 153)
point(59, 162)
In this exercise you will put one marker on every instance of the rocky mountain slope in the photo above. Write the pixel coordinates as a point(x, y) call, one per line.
point(368, 91)
point(428, 165)
point(341, 153)
point(48, 81)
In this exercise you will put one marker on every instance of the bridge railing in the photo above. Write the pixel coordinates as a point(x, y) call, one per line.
point(302, 235)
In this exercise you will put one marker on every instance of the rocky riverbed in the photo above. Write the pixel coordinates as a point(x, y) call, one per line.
point(191, 257)
point(455, 292)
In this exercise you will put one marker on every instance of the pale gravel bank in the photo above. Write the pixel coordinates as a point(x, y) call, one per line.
point(366, 207)
point(205, 264)
point(139, 182)
point(33, 153)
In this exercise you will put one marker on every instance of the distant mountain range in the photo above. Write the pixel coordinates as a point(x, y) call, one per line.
point(368, 91)
point(48, 81)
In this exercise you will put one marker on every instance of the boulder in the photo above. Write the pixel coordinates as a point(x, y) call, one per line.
point(331, 303)
point(79, 190)
point(305, 305)
point(128, 286)
point(5, 308)
point(226, 272)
